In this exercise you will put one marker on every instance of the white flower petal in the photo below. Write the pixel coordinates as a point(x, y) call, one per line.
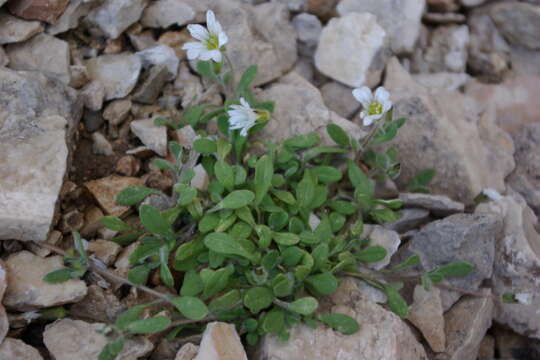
point(492, 194)
point(386, 105)
point(222, 39)
point(213, 26)
point(215, 55)
point(363, 95)
point(244, 103)
point(381, 95)
point(198, 32)
point(370, 119)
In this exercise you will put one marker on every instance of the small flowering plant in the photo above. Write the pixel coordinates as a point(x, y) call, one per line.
point(267, 235)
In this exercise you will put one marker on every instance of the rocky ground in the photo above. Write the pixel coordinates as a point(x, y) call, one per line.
point(81, 81)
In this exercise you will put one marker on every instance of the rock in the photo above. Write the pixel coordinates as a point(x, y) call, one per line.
point(400, 19)
point(92, 221)
point(104, 250)
point(164, 13)
point(42, 53)
point(106, 189)
point(427, 315)
point(486, 351)
point(519, 23)
point(117, 111)
point(446, 50)
point(115, 16)
point(71, 221)
point(160, 55)
point(92, 121)
point(308, 30)
point(339, 99)
point(39, 115)
point(70, 18)
point(44, 10)
point(300, 109)
point(517, 260)
point(122, 264)
point(465, 326)
point(353, 31)
point(443, 80)
point(186, 136)
point(13, 29)
point(128, 165)
point(259, 35)
point(152, 136)
point(460, 237)
point(79, 76)
point(411, 218)
point(16, 349)
point(443, 5)
point(26, 289)
point(187, 352)
point(189, 86)
point(98, 304)
point(92, 95)
point(444, 18)
point(68, 339)
point(439, 205)
point(117, 73)
point(472, 3)
point(4, 322)
point(386, 238)
point(149, 89)
point(444, 131)
point(305, 68)
point(200, 181)
point(175, 40)
point(526, 177)
point(322, 8)
point(4, 60)
point(513, 101)
point(382, 335)
point(220, 341)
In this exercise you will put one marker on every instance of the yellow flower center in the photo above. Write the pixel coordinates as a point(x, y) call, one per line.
point(375, 108)
point(213, 42)
point(263, 115)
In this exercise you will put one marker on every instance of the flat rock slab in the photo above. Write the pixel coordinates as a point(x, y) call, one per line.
point(13, 29)
point(437, 204)
point(221, 342)
point(106, 189)
point(37, 119)
point(26, 289)
point(117, 73)
point(16, 349)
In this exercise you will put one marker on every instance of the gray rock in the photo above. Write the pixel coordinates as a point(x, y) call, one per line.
point(38, 116)
point(339, 99)
point(443, 80)
point(115, 16)
point(308, 30)
point(519, 23)
point(13, 29)
point(189, 86)
point(152, 83)
point(117, 73)
point(70, 18)
point(426, 314)
point(333, 57)
point(98, 304)
point(92, 95)
point(152, 136)
point(42, 53)
point(101, 146)
point(4, 60)
point(517, 261)
point(526, 177)
point(292, 5)
point(444, 131)
point(410, 219)
point(26, 289)
point(69, 339)
point(382, 335)
point(160, 55)
point(164, 13)
point(386, 238)
point(465, 326)
point(187, 352)
point(4, 322)
point(117, 111)
point(400, 19)
point(472, 3)
point(460, 237)
point(221, 341)
point(437, 204)
point(301, 110)
point(16, 349)
point(92, 120)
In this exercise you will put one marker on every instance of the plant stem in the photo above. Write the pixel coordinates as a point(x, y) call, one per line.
point(233, 75)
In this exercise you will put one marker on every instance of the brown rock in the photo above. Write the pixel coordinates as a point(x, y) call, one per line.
point(487, 348)
point(159, 180)
point(15, 349)
point(117, 111)
point(322, 8)
point(92, 221)
point(175, 40)
point(221, 342)
point(128, 165)
point(187, 352)
point(106, 251)
point(427, 315)
point(106, 189)
point(98, 305)
point(72, 221)
point(44, 10)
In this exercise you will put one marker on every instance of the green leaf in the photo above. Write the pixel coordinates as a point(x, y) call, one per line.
point(343, 207)
point(509, 298)
point(192, 284)
point(327, 174)
point(126, 239)
point(282, 285)
point(420, 182)
point(304, 306)
point(286, 239)
point(359, 179)
point(396, 302)
point(191, 307)
point(273, 322)
point(130, 315)
point(186, 195)
point(149, 326)
point(163, 164)
point(264, 170)
point(340, 322)
point(305, 191)
point(133, 195)
point(458, 268)
point(205, 146)
point(372, 254)
point(278, 220)
point(223, 243)
point(111, 350)
point(153, 222)
point(317, 151)
point(224, 173)
point(285, 196)
point(383, 216)
point(236, 200)
point(337, 134)
point(206, 69)
point(189, 249)
point(58, 276)
point(193, 114)
point(412, 260)
point(114, 223)
point(302, 141)
point(322, 284)
point(247, 78)
point(215, 281)
point(164, 272)
point(139, 274)
point(258, 298)
point(226, 301)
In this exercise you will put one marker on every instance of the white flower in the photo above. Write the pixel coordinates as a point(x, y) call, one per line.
point(242, 117)
point(211, 40)
point(374, 105)
point(30, 316)
point(492, 194)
